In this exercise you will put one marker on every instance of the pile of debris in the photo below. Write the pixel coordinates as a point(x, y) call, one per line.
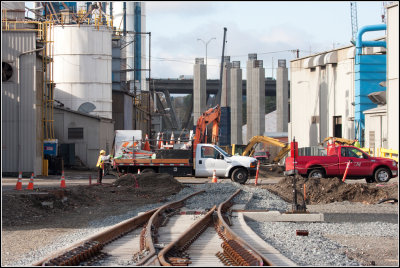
point(329, 190)
point(46, 204)
point(149, 179)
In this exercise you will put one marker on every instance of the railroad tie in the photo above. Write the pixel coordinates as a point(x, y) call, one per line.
point(225, 259)
point(77, 255)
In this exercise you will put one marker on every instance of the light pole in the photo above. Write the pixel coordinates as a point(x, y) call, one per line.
point(206, 44)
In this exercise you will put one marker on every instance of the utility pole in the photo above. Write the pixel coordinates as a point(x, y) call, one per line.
point(217, 100)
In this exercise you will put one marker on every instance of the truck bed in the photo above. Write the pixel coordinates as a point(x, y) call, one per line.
point(150, 161)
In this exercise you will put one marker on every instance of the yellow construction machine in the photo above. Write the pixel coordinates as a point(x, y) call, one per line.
point(250, 148)
point(339, 140)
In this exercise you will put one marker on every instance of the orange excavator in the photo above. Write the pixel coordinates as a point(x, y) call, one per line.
point(213, 116)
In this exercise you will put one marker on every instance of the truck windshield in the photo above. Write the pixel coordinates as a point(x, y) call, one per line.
point(222, 151)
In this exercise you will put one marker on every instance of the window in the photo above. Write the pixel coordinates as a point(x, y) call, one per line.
point(209, 152)
point(351, 152)
point(75, 133)
point(6, 71)
point(337, 126)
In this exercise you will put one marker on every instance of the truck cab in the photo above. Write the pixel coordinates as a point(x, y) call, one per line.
point(211, 157)
point(261, 156)
point(341, 158)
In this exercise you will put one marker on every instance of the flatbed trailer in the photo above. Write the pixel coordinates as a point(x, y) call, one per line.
point(175, 167)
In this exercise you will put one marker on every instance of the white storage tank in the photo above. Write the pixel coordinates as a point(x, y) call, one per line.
point(82, 68)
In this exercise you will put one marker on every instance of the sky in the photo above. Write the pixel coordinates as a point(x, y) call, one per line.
point(272, 29)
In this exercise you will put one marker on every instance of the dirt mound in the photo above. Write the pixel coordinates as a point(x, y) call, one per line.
point(22, 208)
point(323, 191)
point(148, 179)
point(267, 171)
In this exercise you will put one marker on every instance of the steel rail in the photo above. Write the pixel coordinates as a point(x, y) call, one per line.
point(94, 244)
point(149, 235)
point(235, 251)
point(91, 247)
point(233, 243)
point(185, 240)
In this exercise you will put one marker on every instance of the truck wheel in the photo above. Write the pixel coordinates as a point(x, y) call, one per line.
point(370, 180)
point(316, 174)
point(240, 176)
point(382, 175)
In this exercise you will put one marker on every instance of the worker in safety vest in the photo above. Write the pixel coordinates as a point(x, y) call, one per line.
point(357, 143)
point(100, 164)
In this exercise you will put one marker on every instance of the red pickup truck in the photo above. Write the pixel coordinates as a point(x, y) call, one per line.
point(334, 165)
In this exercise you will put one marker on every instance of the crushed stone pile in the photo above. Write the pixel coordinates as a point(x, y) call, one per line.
point(329, 190)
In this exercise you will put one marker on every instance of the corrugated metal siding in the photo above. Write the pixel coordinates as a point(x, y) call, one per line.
point(15, 10)
point(13, 44)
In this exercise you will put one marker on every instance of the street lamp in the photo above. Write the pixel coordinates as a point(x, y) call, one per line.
point(206, 43)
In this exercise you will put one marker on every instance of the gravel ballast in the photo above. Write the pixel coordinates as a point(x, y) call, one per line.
point(316, 249)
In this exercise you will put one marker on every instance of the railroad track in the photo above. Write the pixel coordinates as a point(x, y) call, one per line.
point(171, 236)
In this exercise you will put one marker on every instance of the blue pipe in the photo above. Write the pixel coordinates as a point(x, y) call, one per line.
point(370, 28)
point(363, 75)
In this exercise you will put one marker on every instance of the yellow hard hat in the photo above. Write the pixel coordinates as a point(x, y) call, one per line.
point(102, 152)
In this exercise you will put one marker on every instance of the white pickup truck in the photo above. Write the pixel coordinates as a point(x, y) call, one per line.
point(180, 163)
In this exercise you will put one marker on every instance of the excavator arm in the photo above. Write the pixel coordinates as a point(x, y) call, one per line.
point(249, 150)
point(338, 140)
point(213, 116)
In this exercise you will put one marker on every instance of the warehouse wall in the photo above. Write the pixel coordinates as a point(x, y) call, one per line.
point(98, 133)
point(19, 104)
point(321, 88)
point(393, 76)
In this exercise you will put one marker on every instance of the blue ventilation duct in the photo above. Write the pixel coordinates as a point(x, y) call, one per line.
point(138, 42)
point(370, 70)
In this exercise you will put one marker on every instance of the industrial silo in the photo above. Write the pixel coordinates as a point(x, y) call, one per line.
point(82, 68)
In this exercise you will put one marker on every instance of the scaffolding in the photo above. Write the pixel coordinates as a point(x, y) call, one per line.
point(48, 82)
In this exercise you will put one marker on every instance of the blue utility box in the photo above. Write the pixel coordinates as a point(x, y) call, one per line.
point(50, 147)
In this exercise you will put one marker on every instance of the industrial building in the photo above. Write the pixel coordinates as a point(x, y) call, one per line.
point(61, 68)
point(80, 67)
point(21, 89)
point(349, 92)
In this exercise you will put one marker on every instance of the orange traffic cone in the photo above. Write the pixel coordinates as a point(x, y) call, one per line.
point(62, 180)
point(160, 142)
point(172, 141)
point(19, 182)
point(30, 185)
point(138, 171)
point(147, 144)
point(258, 168)
point(214, 178)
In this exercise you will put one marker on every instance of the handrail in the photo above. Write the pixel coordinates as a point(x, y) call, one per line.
point(368, 151)
point(391, 152)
